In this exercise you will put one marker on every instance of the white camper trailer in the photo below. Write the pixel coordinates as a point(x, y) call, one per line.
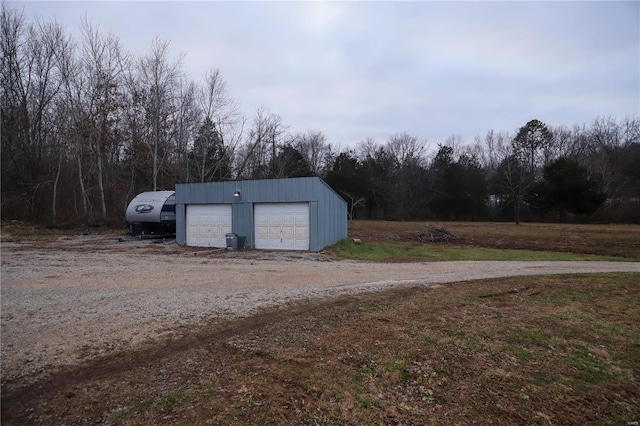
point(152, 213)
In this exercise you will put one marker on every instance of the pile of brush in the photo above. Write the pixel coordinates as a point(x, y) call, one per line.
point(436, 234)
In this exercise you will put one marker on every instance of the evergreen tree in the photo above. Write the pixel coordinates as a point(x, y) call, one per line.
point(345, 177)
point(289, 163)
point(209, 158)
point(565, 188)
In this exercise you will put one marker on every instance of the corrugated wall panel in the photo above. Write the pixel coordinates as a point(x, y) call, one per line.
point(315, 236)
point(328, 219)
point(180, 224)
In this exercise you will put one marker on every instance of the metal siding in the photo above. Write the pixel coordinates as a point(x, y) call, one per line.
point(334, 216)
point(332, 227)
point(328, 219)
point(283, 192)
point(307, 189)
point(258, 195)
point(286, 191)
point(237, 218)
point(315, 243)
point(248, 191)
point(243, 223)
point(249, 231)
point(298, 189)
point(205, 193)
point(321, 227)
point(180, 224)
point(264, 191)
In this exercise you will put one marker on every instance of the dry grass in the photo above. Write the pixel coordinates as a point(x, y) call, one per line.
point(16, 231)
point(536, 350)
point(604, 240)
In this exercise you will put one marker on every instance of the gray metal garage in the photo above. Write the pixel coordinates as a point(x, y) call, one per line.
point(275, 214)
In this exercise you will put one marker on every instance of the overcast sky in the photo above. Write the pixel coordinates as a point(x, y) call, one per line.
point(355, 70)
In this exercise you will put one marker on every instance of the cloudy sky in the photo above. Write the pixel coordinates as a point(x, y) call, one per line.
point(355, 70)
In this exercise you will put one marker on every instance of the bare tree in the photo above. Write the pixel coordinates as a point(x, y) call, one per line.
point(65, 113)
point(492, 150)
point(214, 98)
point(630, 130)
point(511, 175)
point(221, 112)
point(456, 143)
point(406, 150)
point(135, 129)
point(160, 81)
point(74, 88)
point(260, 146)
point(354, 201)
point(605, 137)
point(101, 99)
point(367, 148)
point(313, 146)
point(406, 190)
point(29, 87)
point(187, 117)
point(562, 144)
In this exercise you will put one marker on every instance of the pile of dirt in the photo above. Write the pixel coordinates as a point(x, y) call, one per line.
point(436, 234)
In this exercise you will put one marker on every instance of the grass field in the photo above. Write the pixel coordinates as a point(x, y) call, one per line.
point(535, 238)
point(395, 251)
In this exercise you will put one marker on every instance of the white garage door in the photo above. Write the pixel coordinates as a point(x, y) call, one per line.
point(282, 226)
point(208, 224)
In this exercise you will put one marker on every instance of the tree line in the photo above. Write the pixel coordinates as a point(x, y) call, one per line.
point(542, 173)
point(87, 125)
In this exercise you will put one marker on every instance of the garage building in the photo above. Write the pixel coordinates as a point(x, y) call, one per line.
point(274, 214)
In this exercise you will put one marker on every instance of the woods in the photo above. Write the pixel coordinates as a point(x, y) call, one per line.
point(86, 125)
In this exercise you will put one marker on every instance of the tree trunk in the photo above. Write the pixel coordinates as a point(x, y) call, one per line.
point(83, 190)
point(55, 188)
point(203, 166)
point(103, 204)
point(516, 208)
point(155, 160)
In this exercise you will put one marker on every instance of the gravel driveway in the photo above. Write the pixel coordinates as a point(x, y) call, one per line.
point(76, 298)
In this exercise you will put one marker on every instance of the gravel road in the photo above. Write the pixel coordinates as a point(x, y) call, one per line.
point(81, 297)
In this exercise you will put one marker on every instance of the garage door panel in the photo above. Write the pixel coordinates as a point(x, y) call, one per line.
point(282, 226)
point(302, 231)
point(288, 233)
point(208, 224)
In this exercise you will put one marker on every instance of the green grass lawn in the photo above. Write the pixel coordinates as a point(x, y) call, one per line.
point(378, 251)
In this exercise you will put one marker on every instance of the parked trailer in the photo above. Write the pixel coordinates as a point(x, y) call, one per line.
point(152, 213)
